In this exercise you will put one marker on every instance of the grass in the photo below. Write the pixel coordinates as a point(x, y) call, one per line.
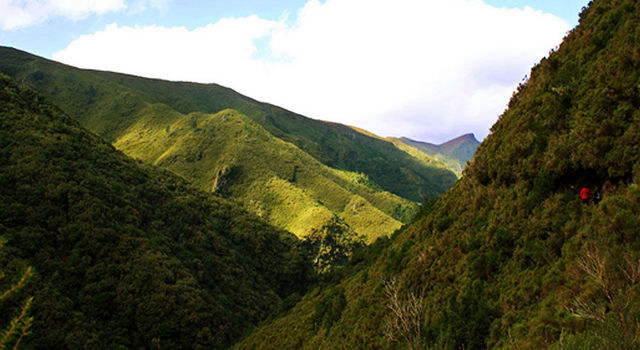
point(109, 103)
point(274, 178)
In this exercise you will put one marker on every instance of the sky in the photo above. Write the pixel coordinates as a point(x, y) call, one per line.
point(430, 70)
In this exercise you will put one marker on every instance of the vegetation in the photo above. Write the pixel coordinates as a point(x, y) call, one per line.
point(510, 258)
point(126, 255)
point(130, 256)
point(454, 153)
point(109, 103)
point(296, 173)
point(18, 326)
point(229, 154)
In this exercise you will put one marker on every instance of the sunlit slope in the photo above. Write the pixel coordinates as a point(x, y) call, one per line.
point(454, 153)
point(126, 255)
point(415, 152)
point(511, 258)
point(229, 154)
point(113, 100)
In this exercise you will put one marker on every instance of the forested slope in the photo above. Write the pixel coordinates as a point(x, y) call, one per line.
point(229, 154)
point(324, 182)
point(126, 255)
point(454, 153)
point(511, 257)
point(108, 103)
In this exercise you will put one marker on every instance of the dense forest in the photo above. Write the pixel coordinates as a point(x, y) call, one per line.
point(336, 186)
point(108, 103)
point(124, 255)
point(511, 257)
point(102, 251)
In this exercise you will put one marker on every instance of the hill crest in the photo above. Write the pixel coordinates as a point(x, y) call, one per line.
point(511, 257)
point(454, 153)
point(113, 99)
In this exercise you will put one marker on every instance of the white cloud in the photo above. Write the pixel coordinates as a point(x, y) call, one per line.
point(427, 69)
point(15, 14)
point(139, 6)
point(219, 52)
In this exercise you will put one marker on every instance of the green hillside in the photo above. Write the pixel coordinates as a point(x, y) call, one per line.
point(454, 153)
point(297, 173)
point(229, 154)
point(126, 255)
point(510, 258)
point(106, 103)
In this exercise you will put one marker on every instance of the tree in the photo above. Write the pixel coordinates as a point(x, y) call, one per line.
point(404, 322)
point(616, 275)
point(19, 326)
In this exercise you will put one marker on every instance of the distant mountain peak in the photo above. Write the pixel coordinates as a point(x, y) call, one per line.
point(455, 153)
point(460, 140)
point(470, 136)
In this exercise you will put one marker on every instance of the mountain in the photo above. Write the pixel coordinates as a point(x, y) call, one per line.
point(510, 257)
point(126, 255)
point(454, 153)
point(229, 154)
point(114, 102)
point(306, 176)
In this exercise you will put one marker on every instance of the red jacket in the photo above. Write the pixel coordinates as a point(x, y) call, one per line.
point(585, 193)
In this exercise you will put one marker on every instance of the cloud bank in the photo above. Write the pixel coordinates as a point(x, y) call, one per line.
point(426, 69)
point(17, 14)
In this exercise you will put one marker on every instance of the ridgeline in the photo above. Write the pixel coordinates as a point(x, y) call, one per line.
point(336, 186)
point(510, 257)
point(126, 255)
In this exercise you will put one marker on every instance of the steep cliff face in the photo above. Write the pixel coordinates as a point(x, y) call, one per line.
point(511, 257)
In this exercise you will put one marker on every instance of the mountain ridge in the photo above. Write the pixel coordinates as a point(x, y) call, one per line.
point(365, 183)
point(454, 153)
point(235, 157)
point(511, 257)
point(333, 144)
point(126, 254)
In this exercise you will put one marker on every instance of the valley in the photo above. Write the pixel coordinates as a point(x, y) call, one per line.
point(157, 214)
point(298, 174)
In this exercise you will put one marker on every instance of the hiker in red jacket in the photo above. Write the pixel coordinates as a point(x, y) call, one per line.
point(585, 195)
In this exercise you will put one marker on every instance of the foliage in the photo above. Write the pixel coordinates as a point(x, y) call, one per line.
point(510, 257)
point(404, 324)
point(110, 103)
point(127, 255)
point(295, 180)
point(329, 309)
point(331, 245)
point(612, 307)
point(19, 326)
point(454, 154)
point(465, 322)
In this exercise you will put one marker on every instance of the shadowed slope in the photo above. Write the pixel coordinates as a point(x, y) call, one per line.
point(106, 103)
point(510, 257)
point(229, 154)
point(454, 153)
point(126, 255)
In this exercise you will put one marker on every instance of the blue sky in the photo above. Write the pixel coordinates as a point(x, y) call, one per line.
point(426, 69)
point(565, 9)
point(53, 34)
